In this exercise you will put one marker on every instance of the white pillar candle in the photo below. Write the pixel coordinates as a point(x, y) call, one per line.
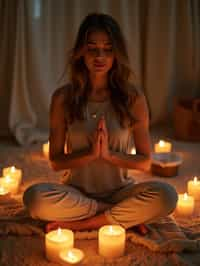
point(10, 184)
point(163, 146)
point(45, 148)
point(56, 241)
point(13, 172)
point(185, 205)
point(112, 240)
point(194, 188)
point(72, 255)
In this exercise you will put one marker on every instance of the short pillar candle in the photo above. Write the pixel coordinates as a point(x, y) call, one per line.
point(10, 184)
point(163, 146)
point(194, 188)
point(13, 172)
point(45, 149)
point(185, 205)
point(112, 240)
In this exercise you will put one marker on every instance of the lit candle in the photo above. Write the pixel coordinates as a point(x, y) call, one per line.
point(13, 172)
point(194, 188)
point(133, 151)
point(45, 148)
point(3, 192)
point(72, 255)
point(111, 241)
point(56, 241)
point(163, 146)
point(10, 184)
point(185, 204)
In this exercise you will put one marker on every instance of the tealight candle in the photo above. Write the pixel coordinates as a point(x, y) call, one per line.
point(163, 146)
point(185, 204)
point(10, 184)
point(13, 172)
point(194, 188)
point(111, 241)
point(45, 148)
point(72, 255)
point(56, 241)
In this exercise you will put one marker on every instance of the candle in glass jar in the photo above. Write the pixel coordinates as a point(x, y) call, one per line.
point(194, 188)
point(111, 241)
point(56, 241)
point(10, 184)
point(185, 204)
point(13, 172)
point(163, 146)
point(72, 256)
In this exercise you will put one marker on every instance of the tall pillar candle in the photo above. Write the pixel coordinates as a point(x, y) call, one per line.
point(185, 205)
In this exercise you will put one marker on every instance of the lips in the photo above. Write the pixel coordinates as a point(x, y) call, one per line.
point(99, 65)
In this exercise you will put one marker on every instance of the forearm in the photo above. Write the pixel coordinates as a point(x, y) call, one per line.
point(71, 160)
point(129, 161)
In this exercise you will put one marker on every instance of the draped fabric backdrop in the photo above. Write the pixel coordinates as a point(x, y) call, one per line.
point(163, 39)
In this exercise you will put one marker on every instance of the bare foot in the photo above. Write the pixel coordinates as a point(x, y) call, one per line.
point(55, 225)
point(91, 223)
point(141, 229)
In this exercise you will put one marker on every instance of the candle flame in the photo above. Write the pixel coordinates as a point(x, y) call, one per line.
point(162, 143)
point(12, 169)
point(59, 231)
point(111, 231)
point(133, 151)
point(195, 179)
point(71, 255)
point(185, 196)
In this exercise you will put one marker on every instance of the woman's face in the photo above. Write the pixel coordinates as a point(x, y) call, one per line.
point(98, 55)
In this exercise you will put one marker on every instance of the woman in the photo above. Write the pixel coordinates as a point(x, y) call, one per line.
point(96, 116)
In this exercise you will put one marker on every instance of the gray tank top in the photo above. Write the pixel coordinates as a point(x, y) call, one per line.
point(98, 178)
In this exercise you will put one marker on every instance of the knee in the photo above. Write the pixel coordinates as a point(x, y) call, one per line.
point(30, 196)
point(168, 198)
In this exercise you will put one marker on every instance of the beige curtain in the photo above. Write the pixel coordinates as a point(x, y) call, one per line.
point(163, 43)
point(8, 18)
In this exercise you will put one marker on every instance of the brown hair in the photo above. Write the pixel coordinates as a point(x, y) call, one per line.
point(118, 77)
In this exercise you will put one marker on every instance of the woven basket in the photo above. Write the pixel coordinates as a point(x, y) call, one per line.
point(165, 164)
point(186, 119)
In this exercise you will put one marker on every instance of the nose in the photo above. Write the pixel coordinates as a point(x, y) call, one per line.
point(100, 52)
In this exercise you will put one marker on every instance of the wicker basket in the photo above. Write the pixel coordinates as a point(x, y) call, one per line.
point(165, 164)
point(186, 119)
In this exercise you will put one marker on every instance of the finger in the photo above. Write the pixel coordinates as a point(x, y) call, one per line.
point(100, 123)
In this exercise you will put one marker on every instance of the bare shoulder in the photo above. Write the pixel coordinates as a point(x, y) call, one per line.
point(135, 93)
point(61, 94)
point(139, 104)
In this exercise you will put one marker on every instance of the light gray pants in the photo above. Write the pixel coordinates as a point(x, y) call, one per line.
point(132, 205)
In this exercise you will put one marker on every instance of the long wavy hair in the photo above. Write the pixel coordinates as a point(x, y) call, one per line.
point(118, 76)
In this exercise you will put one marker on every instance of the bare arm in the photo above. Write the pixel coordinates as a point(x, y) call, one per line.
point(58, 127)
point(141, 160)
